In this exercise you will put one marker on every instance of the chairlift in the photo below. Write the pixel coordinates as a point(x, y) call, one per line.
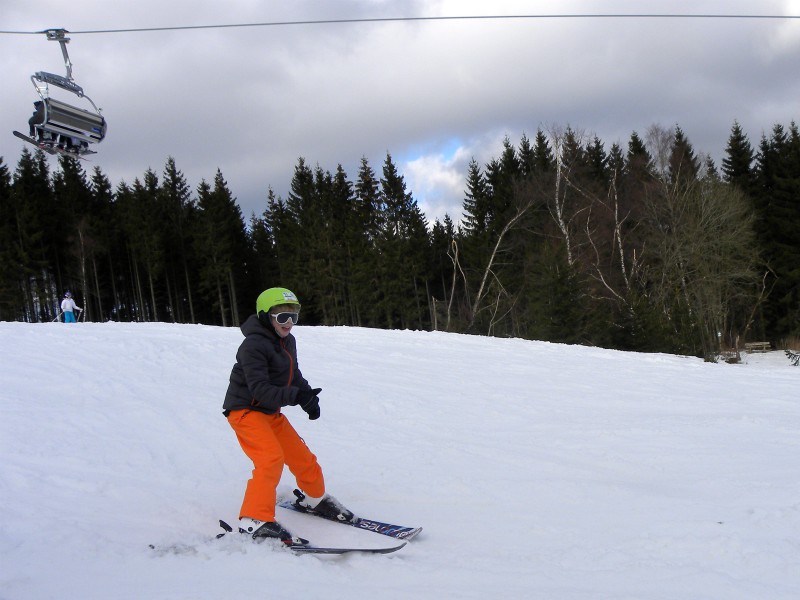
point(56, 126)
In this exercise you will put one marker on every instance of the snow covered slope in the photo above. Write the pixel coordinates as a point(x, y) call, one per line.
point(537, 470)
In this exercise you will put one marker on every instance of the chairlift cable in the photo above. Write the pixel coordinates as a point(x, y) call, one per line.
point(60, 128)
point(423, 19)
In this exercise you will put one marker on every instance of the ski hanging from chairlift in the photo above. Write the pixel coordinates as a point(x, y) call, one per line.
point(56, 126)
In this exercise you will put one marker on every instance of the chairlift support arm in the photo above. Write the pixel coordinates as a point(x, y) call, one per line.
point(66, 83)
point(60, 36)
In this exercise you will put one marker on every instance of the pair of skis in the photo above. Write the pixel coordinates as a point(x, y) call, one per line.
point(398, 532)
point(311, 549)
point(52, 148)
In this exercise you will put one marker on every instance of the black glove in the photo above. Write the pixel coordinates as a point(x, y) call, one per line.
point(309, 402)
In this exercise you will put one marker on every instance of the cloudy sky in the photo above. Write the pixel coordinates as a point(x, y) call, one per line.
point(434, 94)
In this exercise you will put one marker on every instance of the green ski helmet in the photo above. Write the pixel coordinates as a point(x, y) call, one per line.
point(274, 297)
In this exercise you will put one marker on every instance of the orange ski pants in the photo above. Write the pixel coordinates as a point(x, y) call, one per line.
point(271, 442)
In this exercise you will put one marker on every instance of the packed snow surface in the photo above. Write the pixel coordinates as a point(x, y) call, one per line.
point(537, 470)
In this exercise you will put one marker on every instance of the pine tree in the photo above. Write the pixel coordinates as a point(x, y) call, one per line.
point(345, 245)
point(273, 247)
point(301, 235)
point(36, 236)
point(527, 157)
point(475, 207)
point(543, 154)
point(778, 223)
point(324, 290)
point(129, 300)
point(502, 177)
point(597, 162)
point(73, 195)
point(148, 241)
point(221, 244)
point(638, 162)
point(496, 240)
point(11, 296)
point(444, 276)
point(175, 197)
point(635, 187)
point(263, 236)
point(573, 154)
point(737, 164)
point(683, 164)
point(106, 256)
point(403, 246)
point(615, 163)
point(368, 215)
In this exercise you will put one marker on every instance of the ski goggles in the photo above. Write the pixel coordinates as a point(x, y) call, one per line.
point(282, 318)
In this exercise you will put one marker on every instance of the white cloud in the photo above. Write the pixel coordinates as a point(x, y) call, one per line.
point(437, 183)
point(785, 39)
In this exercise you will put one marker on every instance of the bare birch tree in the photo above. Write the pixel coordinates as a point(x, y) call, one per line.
point(705, 257)
point(559, 207)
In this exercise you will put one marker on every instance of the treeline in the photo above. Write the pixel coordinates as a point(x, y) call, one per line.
point(646, 247)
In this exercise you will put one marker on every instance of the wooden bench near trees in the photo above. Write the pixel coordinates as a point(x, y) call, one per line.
point(751, 347)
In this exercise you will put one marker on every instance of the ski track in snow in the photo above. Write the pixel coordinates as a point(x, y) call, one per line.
point(537, 470)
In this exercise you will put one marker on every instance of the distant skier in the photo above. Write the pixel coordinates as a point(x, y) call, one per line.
point(69, 307)
point(266, 378)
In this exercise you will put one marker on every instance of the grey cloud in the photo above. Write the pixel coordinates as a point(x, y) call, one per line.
point(251, 101)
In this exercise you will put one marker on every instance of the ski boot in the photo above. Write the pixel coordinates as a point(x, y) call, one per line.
point(326, 507)
point(260, 530)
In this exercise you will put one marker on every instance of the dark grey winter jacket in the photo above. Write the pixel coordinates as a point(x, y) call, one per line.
point(266, 376)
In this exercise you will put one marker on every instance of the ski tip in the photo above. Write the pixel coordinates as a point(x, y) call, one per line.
point(225, 529)
point(392, 549)
point(310, 549)
point(225, 526)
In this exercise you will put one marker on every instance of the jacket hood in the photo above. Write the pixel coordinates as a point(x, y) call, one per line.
point(253, 325)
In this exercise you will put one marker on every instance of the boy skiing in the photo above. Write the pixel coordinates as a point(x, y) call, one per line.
point(265, 379)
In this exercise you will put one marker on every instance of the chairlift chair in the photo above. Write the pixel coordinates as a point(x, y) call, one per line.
point(56, 126)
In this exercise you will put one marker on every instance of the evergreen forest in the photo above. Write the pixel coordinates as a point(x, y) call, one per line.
point(644, 247)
